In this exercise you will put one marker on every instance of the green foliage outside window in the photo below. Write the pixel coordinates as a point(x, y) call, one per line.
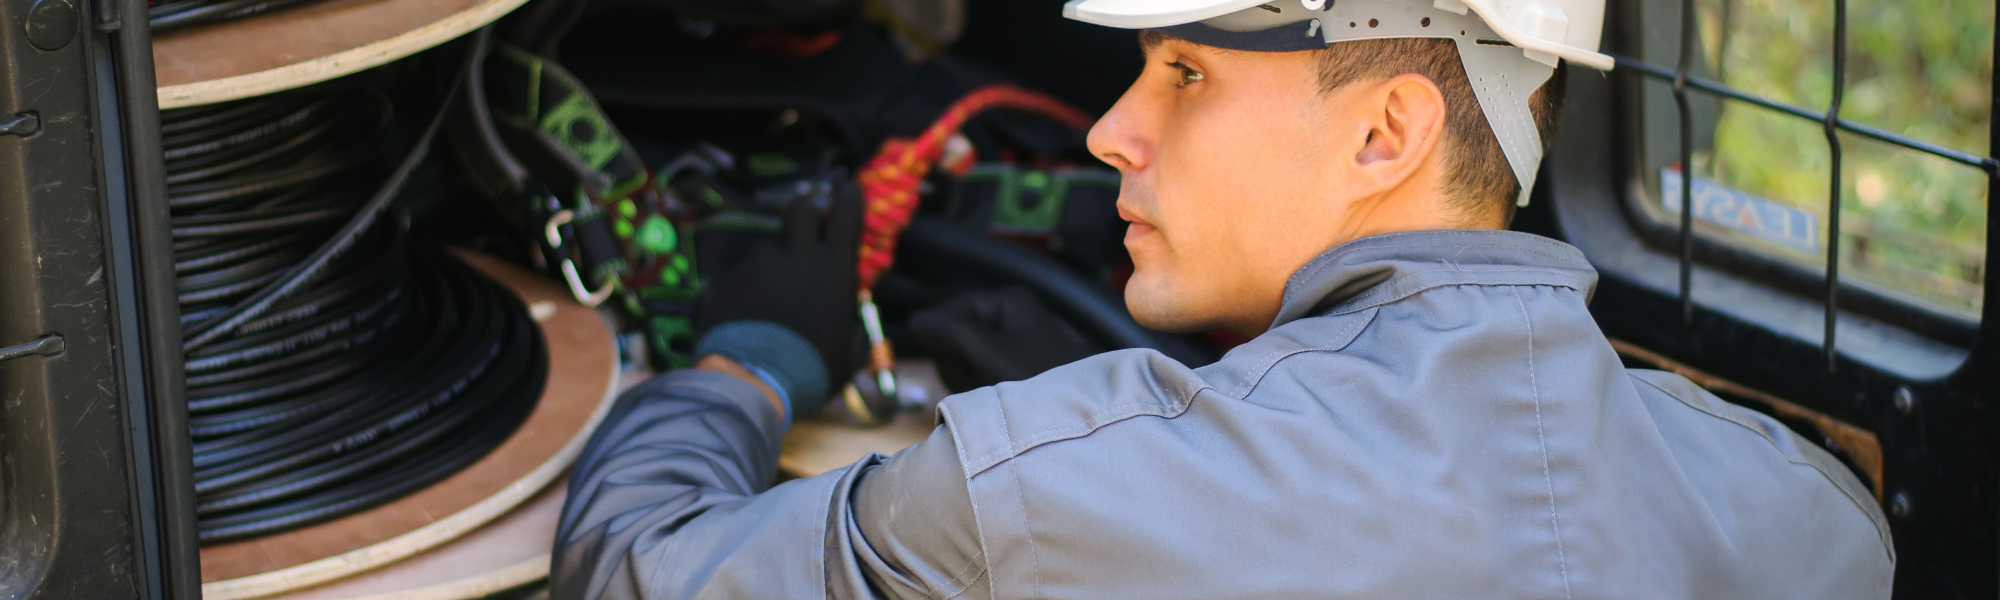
point(1913, 224)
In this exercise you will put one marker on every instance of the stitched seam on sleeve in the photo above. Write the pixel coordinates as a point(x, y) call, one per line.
point(971, 498)
point(1881, 528)
point(1021, 497)
point(958, 581)
point(1541, 439)
point(975, 577)
point(957, 441)
point(978, 525)
point(1028, 533)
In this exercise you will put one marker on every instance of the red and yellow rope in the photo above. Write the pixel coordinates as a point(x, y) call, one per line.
point(890, 181)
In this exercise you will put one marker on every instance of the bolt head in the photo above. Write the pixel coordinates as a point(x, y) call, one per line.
point(51, 24)
point(1906, 401)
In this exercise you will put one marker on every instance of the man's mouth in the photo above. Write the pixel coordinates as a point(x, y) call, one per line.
point(1139, 227)
point(1137, 230)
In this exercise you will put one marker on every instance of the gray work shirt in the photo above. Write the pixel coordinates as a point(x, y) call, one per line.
point(1432, 415)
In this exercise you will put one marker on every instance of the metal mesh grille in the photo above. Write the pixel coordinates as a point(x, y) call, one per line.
point(1684, 83)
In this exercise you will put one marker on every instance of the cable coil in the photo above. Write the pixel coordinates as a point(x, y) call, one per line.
point(176, 14)
point(332, 363)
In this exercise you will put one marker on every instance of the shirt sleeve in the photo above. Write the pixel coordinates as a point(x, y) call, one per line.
point(914, 513)
point(672, 499)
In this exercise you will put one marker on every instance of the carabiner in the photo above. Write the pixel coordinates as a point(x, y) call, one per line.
point(553, 231)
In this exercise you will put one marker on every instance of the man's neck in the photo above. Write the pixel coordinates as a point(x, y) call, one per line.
point(1399, 212)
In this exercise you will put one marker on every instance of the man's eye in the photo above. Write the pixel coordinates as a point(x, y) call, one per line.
point(1188, 75)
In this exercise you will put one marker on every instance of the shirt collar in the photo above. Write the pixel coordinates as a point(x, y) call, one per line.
point(1382, 268)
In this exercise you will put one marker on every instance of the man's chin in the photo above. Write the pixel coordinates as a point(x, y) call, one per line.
point(1157, 308)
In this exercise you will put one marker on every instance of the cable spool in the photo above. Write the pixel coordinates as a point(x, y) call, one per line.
point(332, 363)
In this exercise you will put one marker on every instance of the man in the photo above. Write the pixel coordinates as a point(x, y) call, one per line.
point(1426, 411)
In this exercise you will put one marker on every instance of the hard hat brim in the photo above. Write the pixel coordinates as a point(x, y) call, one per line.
point(1151, 14)
point(1160, 14)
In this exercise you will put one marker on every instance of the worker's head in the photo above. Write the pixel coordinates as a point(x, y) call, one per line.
point(1241, 165)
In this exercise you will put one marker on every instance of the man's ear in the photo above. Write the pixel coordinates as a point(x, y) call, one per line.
point(1405, 117)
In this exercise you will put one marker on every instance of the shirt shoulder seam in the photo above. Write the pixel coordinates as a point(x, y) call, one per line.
point(1146, 407)
point(1255, 374)
point(1095, 421)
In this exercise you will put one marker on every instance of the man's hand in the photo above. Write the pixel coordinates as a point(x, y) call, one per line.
point(805, 282)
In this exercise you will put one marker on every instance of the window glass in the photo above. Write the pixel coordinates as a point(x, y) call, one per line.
point(1913, 225)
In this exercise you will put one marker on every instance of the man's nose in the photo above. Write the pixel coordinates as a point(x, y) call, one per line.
point(1121, 138)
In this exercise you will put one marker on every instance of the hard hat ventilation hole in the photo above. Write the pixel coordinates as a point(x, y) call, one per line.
point(1270, 8)
point(1372, 23)
point(1350, 23)
point(1427, 21)
point(1485, 42)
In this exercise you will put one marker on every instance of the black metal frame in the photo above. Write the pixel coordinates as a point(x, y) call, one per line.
point(1702, 304)
point(92, 423)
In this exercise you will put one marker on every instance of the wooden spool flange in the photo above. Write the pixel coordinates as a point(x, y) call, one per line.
point(304, 45)
point(583, 380)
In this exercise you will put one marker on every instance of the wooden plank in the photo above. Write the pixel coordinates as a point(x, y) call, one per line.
point(305, 45)
point(583, 379)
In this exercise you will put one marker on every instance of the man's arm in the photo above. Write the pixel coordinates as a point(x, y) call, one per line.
point(670, 500)
point(672, 449)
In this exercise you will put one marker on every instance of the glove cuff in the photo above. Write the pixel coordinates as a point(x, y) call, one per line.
point(780, 356)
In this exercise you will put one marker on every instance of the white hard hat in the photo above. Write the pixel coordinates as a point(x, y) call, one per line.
point(1508, 47)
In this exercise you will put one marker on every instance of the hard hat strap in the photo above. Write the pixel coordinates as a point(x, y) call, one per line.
point(1504, 80)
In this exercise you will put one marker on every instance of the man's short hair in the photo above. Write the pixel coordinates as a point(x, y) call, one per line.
point(1477, 179)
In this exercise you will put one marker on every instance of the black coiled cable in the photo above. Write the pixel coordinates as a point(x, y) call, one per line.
point(175, 14)
point(332, 363)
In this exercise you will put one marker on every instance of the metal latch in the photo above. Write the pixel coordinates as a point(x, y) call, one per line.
point(47, 346)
